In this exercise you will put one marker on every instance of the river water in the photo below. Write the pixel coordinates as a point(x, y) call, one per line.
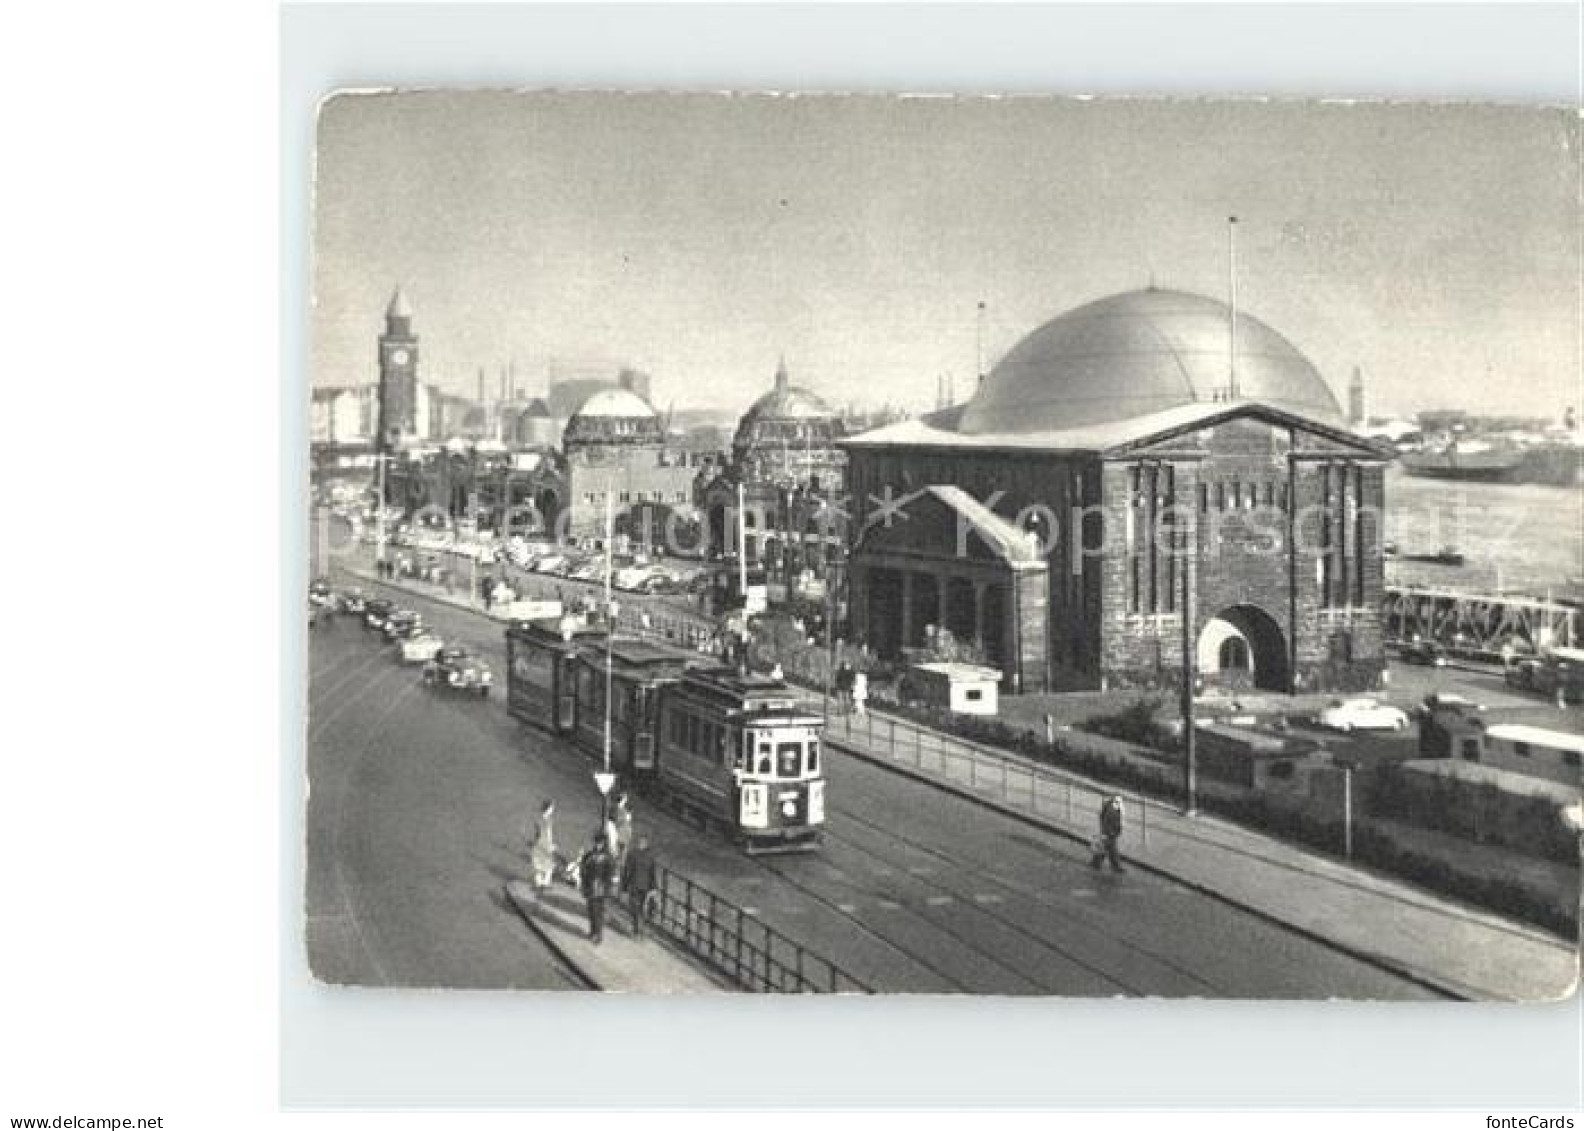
point(1517, 537)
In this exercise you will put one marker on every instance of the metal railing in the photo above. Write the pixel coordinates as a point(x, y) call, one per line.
point(999, 775)
point(751, 953)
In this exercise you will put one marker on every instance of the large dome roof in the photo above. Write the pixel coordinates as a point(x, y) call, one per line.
point(791, 403)
point(621, 404)
point(786, 401)
point(1137, 353)
point(613, 416)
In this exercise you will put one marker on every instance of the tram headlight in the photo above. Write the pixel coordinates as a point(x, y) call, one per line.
point(789, 809)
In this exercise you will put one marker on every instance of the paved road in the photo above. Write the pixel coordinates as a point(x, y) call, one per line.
point(420, 815)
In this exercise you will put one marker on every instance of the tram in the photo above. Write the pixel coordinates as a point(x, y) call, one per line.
point(736, 750)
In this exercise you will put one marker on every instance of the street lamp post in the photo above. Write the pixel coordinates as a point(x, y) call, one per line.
point(379, 506)
point(605, 779)
point(1190, 673)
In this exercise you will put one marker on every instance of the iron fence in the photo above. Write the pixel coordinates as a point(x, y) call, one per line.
point(1010, 781)
point(748, 951)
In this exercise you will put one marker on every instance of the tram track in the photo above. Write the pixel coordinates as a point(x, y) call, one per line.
point(773, 867)
point(1033, 896)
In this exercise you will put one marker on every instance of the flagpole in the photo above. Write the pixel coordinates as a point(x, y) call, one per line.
point(1232, 380)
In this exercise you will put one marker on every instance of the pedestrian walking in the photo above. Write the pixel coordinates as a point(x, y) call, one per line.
point(637, 882)
point(597, 875)
point(622, 819)
point(1050, 729)
point(542, 848)
point(1105, 845)
point(844, 686)
point(860, 692)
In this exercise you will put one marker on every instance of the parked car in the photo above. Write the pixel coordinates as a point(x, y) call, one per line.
point(1521, 674)
point(1362, 714)
point(319, 591)
point(421, 647)
point(459, 669)
point(375, 612)
point(1425, 652)
point(353, 601)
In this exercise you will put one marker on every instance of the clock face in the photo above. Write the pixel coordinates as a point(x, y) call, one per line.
point(399, 356)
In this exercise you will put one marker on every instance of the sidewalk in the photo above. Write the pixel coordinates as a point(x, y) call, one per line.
point(1458, 949)
point(620, 962)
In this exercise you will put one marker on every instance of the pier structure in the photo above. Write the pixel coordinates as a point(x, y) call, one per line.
point(1486, 625)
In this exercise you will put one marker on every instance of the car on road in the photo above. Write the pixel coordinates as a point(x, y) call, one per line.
point(1362, 714)
point(375, 612)
point(459, 669)
point(421, 647)
point(401, 624)
point(319, 592)
point(352, 601)
point(1424, 652)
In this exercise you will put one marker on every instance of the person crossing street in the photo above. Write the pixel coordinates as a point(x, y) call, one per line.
point(1105, 845)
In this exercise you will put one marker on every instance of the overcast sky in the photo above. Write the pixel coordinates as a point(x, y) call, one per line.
point(700, 237)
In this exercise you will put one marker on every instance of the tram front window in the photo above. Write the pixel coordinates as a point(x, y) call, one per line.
point(789, 759)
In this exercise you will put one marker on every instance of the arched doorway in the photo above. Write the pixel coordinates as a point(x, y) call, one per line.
point(1243, 646)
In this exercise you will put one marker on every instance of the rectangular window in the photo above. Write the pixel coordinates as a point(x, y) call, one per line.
point(1521, 749)
point(1570, 758)
point(1471, 750)
point(1204, 498)
point(789, 759)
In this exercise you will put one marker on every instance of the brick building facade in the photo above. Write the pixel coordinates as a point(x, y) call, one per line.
point(1113, 469)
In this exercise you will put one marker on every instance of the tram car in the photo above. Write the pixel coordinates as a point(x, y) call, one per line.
point(740, 751)
point(743, 750)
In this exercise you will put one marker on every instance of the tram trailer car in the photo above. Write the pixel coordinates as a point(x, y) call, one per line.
point(542, 660)
point(744, 751)
point(640, 673)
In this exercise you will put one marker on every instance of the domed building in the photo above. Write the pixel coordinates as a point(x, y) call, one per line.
point(612, 416)
point(786, 470)
point(789, 433)
point(615, 446)
point(1140, 458)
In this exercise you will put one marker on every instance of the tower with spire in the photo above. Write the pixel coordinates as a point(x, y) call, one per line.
point(398, 379)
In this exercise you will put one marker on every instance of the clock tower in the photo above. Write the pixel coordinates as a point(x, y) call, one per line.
point(398, 380)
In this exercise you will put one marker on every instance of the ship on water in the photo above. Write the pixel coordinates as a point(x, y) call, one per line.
point(1553, 463)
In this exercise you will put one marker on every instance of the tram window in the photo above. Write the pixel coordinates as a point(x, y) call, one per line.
point(789, 759)
point(764, 758)
point(813, 756)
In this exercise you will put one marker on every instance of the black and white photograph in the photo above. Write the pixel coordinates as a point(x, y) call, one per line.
point(904, 544)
